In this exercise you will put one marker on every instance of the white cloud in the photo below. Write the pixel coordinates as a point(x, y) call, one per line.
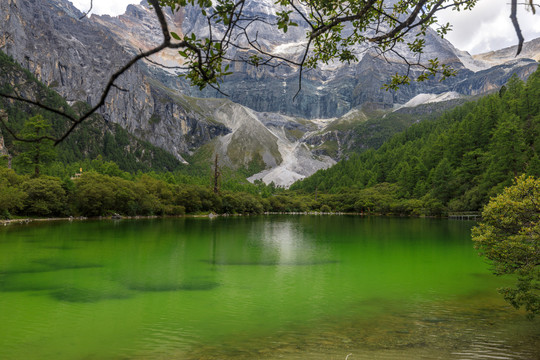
point(488, 26)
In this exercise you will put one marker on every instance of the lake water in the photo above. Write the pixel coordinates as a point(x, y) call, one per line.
point(269, 287)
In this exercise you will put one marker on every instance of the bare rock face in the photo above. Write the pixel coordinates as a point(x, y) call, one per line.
point(333, 92)
point(77, 57)
point(3, 150)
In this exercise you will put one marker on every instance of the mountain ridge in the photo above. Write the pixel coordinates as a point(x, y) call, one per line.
point(76, 57)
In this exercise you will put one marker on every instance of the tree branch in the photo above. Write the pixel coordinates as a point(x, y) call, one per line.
point(87, 12)
point(322, 29)
point(4, 120)
point(513, 17)
point(38, 104)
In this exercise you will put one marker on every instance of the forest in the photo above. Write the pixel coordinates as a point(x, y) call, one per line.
point(454, 163)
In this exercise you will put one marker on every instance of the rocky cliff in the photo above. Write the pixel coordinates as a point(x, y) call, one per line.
point(93, 138)
point(76, 58)
point(3, 150)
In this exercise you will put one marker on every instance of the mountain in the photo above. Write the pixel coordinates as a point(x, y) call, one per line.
point(530, 50)
point(260, 129)
point(76, 58)
point(327, 92)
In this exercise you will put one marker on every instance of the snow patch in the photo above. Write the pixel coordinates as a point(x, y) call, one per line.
point(290, 48)
point(430, 98)
point(470, 63)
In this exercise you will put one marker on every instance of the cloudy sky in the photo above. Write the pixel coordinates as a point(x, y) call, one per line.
point(487, 27)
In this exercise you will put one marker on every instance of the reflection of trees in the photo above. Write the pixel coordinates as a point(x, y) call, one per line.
point(214, 245)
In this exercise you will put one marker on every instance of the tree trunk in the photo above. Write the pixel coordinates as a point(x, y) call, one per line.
point(216, 175)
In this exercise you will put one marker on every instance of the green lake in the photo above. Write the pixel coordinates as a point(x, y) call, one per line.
point(268, 287)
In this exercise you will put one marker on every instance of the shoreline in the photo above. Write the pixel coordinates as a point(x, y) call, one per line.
point(136, 217)
point(210, 216)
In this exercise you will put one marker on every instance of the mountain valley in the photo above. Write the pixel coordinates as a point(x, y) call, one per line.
point(262, 128)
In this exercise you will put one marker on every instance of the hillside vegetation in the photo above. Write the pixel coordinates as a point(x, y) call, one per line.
point(452, 164)
point(93, 138)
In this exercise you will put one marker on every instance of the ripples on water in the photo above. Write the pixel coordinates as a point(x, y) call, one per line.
point(432, 331)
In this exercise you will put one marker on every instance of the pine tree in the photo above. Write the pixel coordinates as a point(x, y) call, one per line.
point(35, 153)
point(506, 151)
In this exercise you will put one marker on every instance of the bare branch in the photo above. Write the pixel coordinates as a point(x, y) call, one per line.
point(119, 88)
point(410, 20)
point(88, 12)
point(299, 12)
point(513, 17)
point(302, 69)
point(218, 90)
point(4, 120)
point(38, 104)
point(165, 66)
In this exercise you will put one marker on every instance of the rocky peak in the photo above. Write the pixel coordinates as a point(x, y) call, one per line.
point(530, 50)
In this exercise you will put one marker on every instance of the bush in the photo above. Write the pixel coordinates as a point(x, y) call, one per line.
point(94, 194)
point(325, 209)
point(45, 196)
point(11, 195)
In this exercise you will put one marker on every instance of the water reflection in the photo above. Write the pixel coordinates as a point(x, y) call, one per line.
point(285, 240)
point(268, 243)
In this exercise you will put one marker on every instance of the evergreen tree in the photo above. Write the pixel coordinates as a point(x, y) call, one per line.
point(441, 177)
point(506, 159)
point(35, 154)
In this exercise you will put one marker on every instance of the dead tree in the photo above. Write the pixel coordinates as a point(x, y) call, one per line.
point(217, 175)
